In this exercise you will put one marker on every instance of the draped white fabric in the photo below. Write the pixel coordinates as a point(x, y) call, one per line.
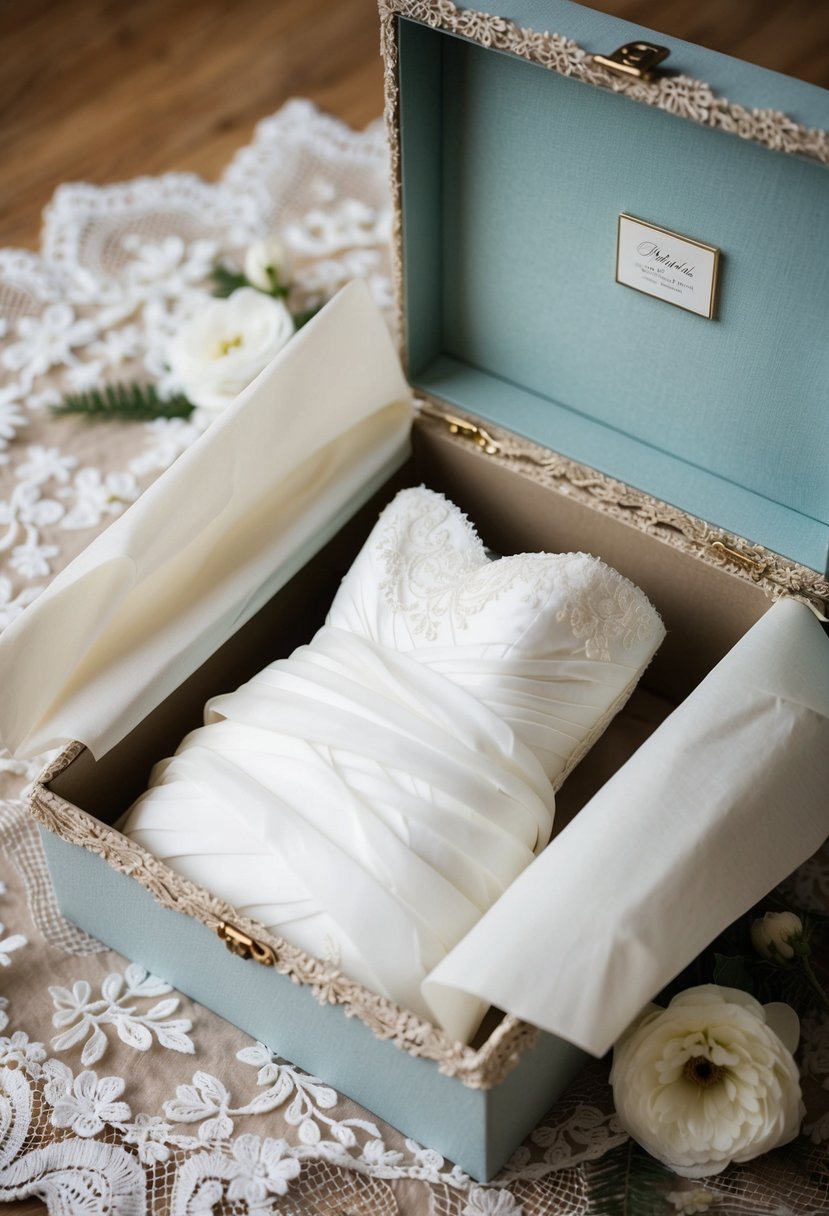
point(370, 797)
point(234, 518)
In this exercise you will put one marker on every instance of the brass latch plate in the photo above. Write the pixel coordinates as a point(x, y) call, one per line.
point(244, 946)
point(637, 59)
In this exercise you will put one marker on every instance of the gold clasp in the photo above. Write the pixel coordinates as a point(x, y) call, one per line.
point(752, 564)
point(245, 946)
point(636, 59)
point(459, 426)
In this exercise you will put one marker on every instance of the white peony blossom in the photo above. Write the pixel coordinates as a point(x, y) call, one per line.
point(709, 1080)
point(772, 933)
point(267, 264)
point(226, 345)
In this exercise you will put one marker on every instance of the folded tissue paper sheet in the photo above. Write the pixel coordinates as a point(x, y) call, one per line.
point(265, 487)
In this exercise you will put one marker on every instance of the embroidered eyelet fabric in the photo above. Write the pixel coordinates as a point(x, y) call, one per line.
point(370, 797)
point(116, 1093)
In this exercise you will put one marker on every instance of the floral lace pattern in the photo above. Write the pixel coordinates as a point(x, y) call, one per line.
point(430, 576)
point(604, 608)
point(432, 573)
point(117, 1094)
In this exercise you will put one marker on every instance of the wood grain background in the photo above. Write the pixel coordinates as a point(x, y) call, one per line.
point(103, 90)
point(106, 90)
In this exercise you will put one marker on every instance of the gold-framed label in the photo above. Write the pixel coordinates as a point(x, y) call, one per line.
point(667, 265)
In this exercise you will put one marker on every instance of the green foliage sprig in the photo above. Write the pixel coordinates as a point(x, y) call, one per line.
point(135, 402)
point(125, 402)
point(226, 280)
point(628, 1182)
point(777, 978)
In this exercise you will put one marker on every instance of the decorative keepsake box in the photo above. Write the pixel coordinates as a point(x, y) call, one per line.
point(613, 293)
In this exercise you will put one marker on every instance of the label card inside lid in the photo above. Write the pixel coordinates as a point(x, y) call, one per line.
point(666, 265)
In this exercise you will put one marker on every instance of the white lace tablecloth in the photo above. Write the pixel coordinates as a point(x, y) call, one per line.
point(116, 1093)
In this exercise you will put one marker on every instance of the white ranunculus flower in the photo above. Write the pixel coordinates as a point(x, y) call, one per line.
point(267, 264)
point(226, 345)
point(709, 1080)
point(771, 934)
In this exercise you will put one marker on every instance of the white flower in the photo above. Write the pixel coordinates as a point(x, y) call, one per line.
point(772, 933)
point(375, 1153)
point(691, 1203)
point(489, 1201)
point(31, 560)
point(12, 606)
point(267, 264)
point(96, 496)
point(43, 400)
point(16, 1049)
point(263, 1169)
point(149, 1133)
point(707, 1081)
point(118, 346)
point(90, 1105)
point(320, 280)
point(344, 225)
point(217, 354)
point(10, 419)
point(28, 506)
point(428, 1160)
point(44, 463)
point(166, 269)
point(170, 437)
point(47, 340)
point(8, 945)
point(83, 376)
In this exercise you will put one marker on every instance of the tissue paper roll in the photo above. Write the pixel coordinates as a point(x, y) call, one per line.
point(370, 797)
point(724, 800)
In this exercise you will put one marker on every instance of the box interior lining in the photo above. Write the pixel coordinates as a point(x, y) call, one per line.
point(513, 179)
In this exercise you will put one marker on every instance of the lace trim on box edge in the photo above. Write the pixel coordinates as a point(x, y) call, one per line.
point(477, 1069)
point(679, 95)
point(773, 573)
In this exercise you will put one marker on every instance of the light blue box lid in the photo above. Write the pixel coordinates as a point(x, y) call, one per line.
point(513, 179)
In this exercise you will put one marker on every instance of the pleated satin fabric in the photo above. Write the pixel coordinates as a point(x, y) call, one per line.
point(370, 797)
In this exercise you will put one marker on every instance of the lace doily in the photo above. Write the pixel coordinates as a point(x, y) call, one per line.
point(117, 1094)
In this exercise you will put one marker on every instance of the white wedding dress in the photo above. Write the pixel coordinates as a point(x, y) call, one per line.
point(371, 796)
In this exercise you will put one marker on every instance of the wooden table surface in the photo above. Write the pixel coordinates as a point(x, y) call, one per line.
point(106, 90)
point(103, 90)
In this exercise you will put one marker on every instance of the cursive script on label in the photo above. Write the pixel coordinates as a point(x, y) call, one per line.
point(649, 249)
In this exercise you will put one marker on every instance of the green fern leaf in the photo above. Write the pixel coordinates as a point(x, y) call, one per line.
point(628, 1182)
point(124, 402)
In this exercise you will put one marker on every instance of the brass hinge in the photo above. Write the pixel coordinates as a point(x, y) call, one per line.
point(245, 946)
point(460, 426)
point(637, 59)
point(753, 564)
